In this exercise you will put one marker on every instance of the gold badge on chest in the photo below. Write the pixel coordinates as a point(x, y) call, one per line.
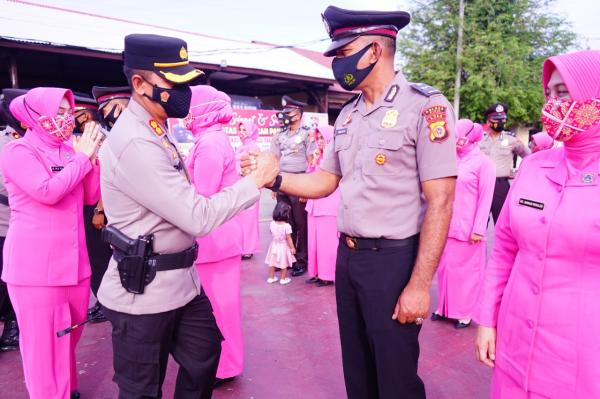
point(390, 119)
point(380, 159)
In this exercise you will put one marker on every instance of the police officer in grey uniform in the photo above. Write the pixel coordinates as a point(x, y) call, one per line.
point(12, 130)
point(502, 147)
point(293, 146)
point(393, 157)
point(151, 292)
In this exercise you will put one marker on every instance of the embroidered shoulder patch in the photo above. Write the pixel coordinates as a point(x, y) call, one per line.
point(436, 118)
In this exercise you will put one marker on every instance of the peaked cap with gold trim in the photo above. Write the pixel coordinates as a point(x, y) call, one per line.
point(163, 55)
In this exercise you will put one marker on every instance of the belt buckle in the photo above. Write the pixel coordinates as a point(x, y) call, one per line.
point(351, 242)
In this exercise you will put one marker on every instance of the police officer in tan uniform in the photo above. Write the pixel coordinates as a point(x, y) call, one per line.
point(393, 157)
point(293, 145)
point(502, 147)
point(151, 293)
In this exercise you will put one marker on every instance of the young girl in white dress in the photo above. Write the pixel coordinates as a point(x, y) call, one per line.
point(281, 251)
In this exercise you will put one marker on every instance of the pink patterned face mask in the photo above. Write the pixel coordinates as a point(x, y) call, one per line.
point(562, 118)
point(61, 125)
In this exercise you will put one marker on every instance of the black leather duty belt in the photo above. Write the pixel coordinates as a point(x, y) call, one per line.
point(179, 260)
point(356, 244)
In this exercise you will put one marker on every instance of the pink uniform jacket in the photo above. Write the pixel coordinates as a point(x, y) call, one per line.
point(542, 284)
point(327, 206)
point(47, 184)
point(212, 167)
point(473, 195)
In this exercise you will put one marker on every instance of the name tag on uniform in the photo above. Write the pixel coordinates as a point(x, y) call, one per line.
point(531, 204)
point(57, 168)
point(339, 132)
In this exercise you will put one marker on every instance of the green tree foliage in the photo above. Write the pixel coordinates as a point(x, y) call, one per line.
point(505, 44)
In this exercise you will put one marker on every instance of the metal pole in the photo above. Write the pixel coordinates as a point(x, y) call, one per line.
point(12, 71)
point(459, 50)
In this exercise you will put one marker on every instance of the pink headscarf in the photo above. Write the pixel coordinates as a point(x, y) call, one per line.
point(327, 132)
point(209, 107)
point(468, 133)
point(41, 101)
point(581, 73)
point(542, 141)
point(251, 131)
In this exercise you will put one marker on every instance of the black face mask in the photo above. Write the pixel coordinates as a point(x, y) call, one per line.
point(110, 119)
point(285, 120)
point(176, 101)
point(79, 125)
point(346, 72)
point(497, 126)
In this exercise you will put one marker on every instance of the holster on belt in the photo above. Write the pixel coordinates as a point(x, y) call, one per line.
point(136, 261)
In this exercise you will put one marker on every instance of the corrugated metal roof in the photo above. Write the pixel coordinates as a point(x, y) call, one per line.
point(28, 22)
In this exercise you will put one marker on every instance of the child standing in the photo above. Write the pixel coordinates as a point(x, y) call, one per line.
point(281, 251)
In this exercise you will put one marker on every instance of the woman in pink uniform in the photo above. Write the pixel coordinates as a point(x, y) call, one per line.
point(463, 260)
point(46, 263)
point(539, 319)
point(248, 133)
point(323, 235)
point(212, 167)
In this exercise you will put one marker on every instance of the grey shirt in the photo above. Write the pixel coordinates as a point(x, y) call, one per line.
point(501, 150)
point(384, 154)
point(292, 149)
point(5, 137)
point(145, 190)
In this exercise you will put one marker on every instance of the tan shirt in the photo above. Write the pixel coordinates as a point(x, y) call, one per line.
point(292, 149)
point(143, 192)
point(384, 154)
point(5, 137)
point(501, 150)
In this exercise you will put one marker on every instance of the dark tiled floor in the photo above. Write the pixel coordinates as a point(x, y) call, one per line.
point(292, 350)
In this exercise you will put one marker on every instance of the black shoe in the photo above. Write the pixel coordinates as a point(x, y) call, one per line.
point(247, 256)
point(222, 381)
point(436, 317)
point(75, 395)
point(460, 325)
point(299, 271)
point(324, 283)
point(10, 336)
point(312, 280)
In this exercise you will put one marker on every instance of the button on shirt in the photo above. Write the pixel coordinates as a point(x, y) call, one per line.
point(384, 154)
point(292, 149)
point(501, 150)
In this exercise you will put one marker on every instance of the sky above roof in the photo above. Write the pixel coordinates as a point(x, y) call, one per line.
point(282, 22)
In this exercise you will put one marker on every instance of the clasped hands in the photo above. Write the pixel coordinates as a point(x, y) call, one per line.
point(263, 167)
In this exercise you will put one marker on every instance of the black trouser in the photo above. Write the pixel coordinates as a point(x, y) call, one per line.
point(299, 228)
point(6, 308)
point(380, 355)
point(142, 344)
point(500, 193)
point(98, 251)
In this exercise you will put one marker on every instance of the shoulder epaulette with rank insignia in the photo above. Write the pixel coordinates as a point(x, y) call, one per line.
point(354, 98)
point(425, 89)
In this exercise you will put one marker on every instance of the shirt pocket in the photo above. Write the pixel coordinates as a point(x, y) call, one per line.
point(383, 155)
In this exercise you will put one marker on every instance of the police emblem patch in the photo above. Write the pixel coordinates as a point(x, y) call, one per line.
point(390, 119)
point(349, 79)
point(164, 96)
point(587, 178)
point(183, 53)
point(436, 118)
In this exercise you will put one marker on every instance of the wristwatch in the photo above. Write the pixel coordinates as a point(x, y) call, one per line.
point(277, 184)
point(98, 211)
